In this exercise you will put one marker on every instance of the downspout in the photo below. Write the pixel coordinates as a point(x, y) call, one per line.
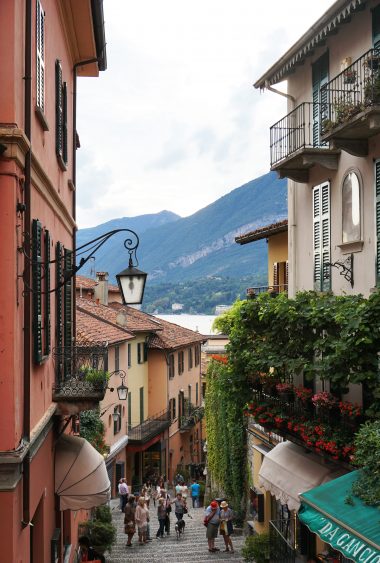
point(27, 268)
point(288, 96)
point(74, 175)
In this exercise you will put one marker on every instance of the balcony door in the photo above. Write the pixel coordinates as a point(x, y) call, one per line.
point(376, 27)
point(320, 77)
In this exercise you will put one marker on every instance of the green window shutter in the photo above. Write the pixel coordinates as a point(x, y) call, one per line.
point(59, 307)
point(37, 290)
point(68, 299)
point(174, 409)
point(139, 353)
point(320, 76)
point(325, 237)
point(321, 237)
point(129, 355)
point(129, 411)
point(64, 123)
point(47, 323)
point(40, 56)
point(145, 351)
point(58, 109)
point(141, 405)
point(377, 195)
point(376, 27)
point(317, 238)
point(117, 358)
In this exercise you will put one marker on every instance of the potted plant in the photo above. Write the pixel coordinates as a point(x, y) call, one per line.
point(98, 377)
point(349, 76)
point(285, 391)
point(256, 548)
point(100, 530)
point(372, 61)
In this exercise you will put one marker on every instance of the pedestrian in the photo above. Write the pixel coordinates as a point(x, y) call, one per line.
point(119, 488)
point(87, 553)
point(142, 519)
point(129, 519)
point(179, 506)
point(165, 495)
point(124, 492)
point(212, 520)
point(226, 527)
point(161, 515)
point(184, 490)
point(195, 489)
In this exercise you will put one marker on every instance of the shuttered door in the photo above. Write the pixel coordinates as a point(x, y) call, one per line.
point(141, 404)
point(37, 290)
point(58, 109)
point(321, 237)
point(68, 299)
point(40, 57)
point(377, 196)
point(320, 76)
point(47, 324)
point(276, 275)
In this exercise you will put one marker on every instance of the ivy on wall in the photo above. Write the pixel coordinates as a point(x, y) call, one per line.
point(92, 429)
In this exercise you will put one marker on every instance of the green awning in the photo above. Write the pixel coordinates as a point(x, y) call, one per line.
point(352, 529)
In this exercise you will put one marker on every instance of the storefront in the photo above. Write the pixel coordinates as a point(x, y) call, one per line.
point(349, 526)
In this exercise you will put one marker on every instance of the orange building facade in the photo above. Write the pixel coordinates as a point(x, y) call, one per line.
point(45, 44)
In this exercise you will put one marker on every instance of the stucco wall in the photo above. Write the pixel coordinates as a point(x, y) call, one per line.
point(277, 252)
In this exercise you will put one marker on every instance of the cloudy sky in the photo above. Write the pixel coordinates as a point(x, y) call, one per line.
point(174, 122)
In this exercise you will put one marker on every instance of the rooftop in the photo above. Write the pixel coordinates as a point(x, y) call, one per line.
point(89, 329)
point(263, 232)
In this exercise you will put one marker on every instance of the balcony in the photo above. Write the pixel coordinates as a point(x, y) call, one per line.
point(274, 290)
point(192, 415)
point(81, 377)
point(350, 114)
point(150, 428)
point(327, 432)
point(282, 536)
point(295, 144)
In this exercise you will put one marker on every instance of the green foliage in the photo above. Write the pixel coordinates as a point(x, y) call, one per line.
point(102, 534)
point(256, 548)
point(333, 337)
point(92, 429)
point(96, 376)
point(367, 456)
point(103, 513)
point(226, 433)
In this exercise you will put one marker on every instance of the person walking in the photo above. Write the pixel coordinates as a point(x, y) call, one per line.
point(195, 489)
point(124, 492)
point(129, 519)
point(161, 515)
point(226, 526)
point(165, 495)
point(142, 519)
point(212, 520)
point(179, 506)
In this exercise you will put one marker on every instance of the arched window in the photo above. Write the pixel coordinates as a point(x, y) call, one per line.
point(351, 208)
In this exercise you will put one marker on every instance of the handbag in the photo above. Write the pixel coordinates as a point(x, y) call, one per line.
point(169, 508)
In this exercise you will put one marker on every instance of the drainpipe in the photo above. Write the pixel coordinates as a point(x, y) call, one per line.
point(27, 272)
point(288, 96)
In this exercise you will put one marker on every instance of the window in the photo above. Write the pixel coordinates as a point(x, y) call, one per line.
point(171, 366)
point(190, 358)
point(189, 393)
point(197, 354)
point(60, 116)
point(139, 353)
point(196, 393)
point(117, 420)
point(180, 362)
point(129, 355)
point(141, 404)
point(117, 358)
point(129, 411)
point(172, 409)
point(351, 208)
point(321, 237)
point(41, 291)
point(40, 57)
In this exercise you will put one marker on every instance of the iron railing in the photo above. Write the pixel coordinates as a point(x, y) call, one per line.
point(274, 290)
point(297, 130)
point(282, 540)
point(80, 371)
point(150, 428)
point(191, 415)
point(350, 92)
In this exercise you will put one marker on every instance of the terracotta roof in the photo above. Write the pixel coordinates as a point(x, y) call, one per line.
point(263, 232)
point(91, 329)
point(136, 320)
point(168, 336)
point(338, 14)
point(88, 283)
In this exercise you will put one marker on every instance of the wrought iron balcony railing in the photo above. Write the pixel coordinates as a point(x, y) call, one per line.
point(297, 130)
point(192, 414)
point(282, 540)
point(351, 92)
point(80, 372)
point(274, 290)
point(151, 427)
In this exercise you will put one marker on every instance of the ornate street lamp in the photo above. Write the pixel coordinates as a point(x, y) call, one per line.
point(122, 390)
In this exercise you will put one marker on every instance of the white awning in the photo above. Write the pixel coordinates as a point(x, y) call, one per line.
point(81, 479)
point(288, 471)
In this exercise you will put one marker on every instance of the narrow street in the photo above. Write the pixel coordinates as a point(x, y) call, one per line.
point(191, 547)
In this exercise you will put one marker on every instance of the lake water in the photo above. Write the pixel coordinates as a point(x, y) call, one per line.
point(199, 323)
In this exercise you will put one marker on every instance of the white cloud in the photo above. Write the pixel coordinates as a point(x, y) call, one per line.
point(174, 123)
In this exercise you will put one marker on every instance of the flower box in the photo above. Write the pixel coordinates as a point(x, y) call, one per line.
point(349, 76)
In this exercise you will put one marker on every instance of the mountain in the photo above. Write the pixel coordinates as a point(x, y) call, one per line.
point(203, 244)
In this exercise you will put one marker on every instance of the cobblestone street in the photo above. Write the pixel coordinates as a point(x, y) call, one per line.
point(191, 547)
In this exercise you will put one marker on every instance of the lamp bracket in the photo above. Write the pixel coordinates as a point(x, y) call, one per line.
point(345, 267)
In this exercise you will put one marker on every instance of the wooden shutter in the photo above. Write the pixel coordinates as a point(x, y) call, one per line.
point(320, 74)
point(58, 109)
point(286, 275)
point(139, 353)
point(59, 307)
point(377, 203)
point(68, 299)
point(40, 57)
point(129, 411)
point(129, 355)
point(141, 404)
point(117, 357)
point(64, 122)
point(145, 351)
point(260, 507)
point(47, 323)
point(174, 408)
point(276, 274)
point(321, 237)
point(37, 290)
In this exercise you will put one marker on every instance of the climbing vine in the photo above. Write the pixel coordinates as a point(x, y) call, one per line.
point(92, 429)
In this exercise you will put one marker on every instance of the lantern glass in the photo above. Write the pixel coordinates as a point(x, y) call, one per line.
point(131, 283)
point(122, 392)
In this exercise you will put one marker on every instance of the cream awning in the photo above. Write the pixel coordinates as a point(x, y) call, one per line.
point(288, 471)
point(81, 478)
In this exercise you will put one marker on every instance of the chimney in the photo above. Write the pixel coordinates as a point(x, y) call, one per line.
point(101, 288)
